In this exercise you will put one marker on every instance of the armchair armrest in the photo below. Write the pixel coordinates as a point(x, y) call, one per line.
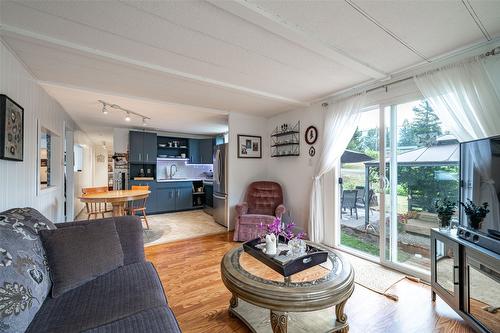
point(241, 208)
point(129, 229)
point(280, 210)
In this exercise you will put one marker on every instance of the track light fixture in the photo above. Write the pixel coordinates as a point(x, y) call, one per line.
point(128, 113)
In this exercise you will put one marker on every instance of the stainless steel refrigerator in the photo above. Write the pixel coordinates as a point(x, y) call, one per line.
point(220, 210)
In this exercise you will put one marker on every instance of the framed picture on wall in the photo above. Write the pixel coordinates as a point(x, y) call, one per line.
point(11, 130)
point(249, 146)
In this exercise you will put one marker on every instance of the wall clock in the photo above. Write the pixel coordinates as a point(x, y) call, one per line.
point(311, 135)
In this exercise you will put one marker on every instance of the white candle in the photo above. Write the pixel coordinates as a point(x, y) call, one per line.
point(271, 244)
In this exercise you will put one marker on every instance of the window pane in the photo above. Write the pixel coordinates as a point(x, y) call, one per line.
point(359, 188)
point(426, 171)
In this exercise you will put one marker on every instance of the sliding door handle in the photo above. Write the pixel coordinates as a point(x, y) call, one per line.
point(456, 273)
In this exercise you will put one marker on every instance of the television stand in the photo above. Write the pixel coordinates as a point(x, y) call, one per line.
point(467, 277)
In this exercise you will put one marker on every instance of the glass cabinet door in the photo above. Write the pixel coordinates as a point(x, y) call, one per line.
point(446, 273)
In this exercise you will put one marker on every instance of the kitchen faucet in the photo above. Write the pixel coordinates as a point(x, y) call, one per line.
point(172, 173)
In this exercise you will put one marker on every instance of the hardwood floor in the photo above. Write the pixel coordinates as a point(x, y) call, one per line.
point(190, 273)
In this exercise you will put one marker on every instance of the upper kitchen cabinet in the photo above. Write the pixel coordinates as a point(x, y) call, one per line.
point(150, 147)
point(206, 151)
point(200, 151)
point(194, 151)
point(142, 147)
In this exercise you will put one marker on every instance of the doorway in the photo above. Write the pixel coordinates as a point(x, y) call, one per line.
point(68, 173)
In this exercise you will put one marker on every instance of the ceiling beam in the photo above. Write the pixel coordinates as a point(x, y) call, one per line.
point(11, 31)
point(278, 26)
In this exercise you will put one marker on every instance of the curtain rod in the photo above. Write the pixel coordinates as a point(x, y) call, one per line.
point(492, 52)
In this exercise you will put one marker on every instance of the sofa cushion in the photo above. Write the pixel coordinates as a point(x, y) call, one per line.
point(129, 230)
point(121, 293)
point(154, 320)
point(81, 253)
point(24, 276)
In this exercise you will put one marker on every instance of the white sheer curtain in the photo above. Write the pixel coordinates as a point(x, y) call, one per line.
point(481, 156)
point(465, 99)
point(341, 120)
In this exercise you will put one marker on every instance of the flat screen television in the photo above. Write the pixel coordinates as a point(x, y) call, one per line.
point(480, 181)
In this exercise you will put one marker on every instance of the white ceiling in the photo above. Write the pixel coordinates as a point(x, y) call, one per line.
point(254, 57)
point(86, 111)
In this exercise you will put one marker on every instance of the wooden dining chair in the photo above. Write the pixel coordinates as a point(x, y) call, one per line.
point(139, 206)
point(96, 208)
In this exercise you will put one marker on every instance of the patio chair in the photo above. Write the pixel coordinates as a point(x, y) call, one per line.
point(349, 199)
point(361, 195)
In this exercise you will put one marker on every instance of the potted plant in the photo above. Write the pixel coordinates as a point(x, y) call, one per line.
point(283, 233)
point(476, 213)
point(445, 209)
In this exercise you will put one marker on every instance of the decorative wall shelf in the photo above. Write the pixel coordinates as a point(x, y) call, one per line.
point(285, 140)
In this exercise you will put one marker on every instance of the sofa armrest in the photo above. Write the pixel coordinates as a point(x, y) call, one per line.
point(241, 208)
point(280, 210)
point(129, 229)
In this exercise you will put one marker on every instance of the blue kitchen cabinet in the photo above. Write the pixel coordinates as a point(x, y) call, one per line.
point(194, 151)
point(174, 196)
point(206, 151)
point(150, 147)
point(201, 151)
point(165, 199)
point(184, 198)
point(136, 147)
point(143, 147)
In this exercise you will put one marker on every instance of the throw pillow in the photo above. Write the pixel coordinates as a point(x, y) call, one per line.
point(24, 274)
point(79, 254)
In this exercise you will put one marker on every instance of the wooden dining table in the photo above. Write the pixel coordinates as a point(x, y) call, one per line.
point(117, 199)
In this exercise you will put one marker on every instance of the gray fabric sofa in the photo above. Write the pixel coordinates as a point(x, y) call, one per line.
point(127, 299)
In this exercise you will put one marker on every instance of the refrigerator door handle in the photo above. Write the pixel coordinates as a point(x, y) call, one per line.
point(217, 161)
point(219, 197)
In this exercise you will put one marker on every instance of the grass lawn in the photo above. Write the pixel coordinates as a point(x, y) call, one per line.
point(358, 244)
point(355, 243)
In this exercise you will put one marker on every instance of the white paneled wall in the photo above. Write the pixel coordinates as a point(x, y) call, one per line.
point(18, 180)
point(243, 171)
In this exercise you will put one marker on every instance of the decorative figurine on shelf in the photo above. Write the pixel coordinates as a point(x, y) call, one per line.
point(476, 213)
point(445, 210)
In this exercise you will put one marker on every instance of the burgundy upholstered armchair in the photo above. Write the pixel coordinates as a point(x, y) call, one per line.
point(263, 203)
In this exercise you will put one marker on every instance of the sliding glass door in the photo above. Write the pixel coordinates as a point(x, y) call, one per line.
point(414, 164)
point(359, 187)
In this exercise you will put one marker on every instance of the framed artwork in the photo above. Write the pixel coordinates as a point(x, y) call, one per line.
point(11, 130)
point(311, 135)
point(249, 146)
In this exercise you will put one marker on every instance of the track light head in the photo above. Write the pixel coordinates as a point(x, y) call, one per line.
point(144, 123)
point(104, 110)
point(127, 117)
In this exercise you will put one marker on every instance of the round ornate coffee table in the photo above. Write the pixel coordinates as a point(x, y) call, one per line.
point(309, 301)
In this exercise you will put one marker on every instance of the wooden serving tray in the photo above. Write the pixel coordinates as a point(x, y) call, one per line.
point(313, 256)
